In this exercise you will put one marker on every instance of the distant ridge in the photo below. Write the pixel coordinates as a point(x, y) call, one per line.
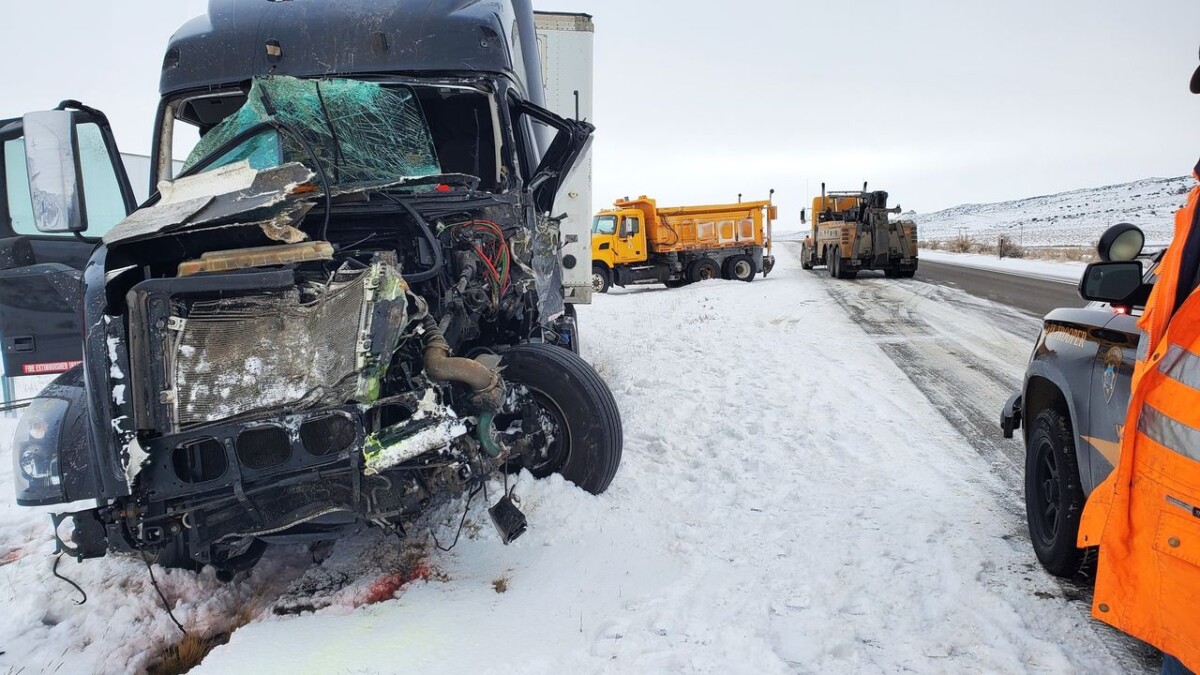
point(1070, 218)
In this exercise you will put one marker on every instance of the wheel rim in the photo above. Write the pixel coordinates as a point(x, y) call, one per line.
point(556, 454)
point(1047, 506)
point(707, 272)
point(741, 269)
point(597, 282)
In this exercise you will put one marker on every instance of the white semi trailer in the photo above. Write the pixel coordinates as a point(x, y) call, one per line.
point(565, 47)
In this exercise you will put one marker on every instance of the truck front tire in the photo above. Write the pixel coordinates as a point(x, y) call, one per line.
point(588, 452)
point(601, 279)
point(805, 257)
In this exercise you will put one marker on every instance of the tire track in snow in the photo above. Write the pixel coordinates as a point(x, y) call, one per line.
point(967, 390)
point(926, 331)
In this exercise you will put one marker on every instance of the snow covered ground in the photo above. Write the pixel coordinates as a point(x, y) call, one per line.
point(1039, 269)
point(801, 492)
point(1075, 218)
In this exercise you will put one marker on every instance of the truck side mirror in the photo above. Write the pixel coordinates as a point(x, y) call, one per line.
point(52, 159)
point(1117, 282)
point(803, 219)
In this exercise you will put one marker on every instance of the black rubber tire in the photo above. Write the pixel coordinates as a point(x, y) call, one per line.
point(703, 270)
point(908, 274)
point(834, 260)
point(585, 405)
point(739, 268)
point(601, 279)
point(1054, 497)
point(676, 283)
point(892, 274)
point(805, 257)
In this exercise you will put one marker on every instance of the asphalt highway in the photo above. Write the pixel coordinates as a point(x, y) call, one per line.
point(1037, 296)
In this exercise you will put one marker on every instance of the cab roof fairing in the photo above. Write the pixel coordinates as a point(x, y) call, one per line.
point(228, 45)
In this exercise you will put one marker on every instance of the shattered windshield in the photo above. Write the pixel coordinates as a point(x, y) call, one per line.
point(360, 132)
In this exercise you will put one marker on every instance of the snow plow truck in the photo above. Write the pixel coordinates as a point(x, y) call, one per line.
point(638, 242)
point(854, 231)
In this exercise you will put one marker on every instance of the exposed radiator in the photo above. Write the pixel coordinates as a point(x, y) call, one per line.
point(240, 355)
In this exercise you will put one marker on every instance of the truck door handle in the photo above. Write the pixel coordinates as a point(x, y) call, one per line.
point(23, 343)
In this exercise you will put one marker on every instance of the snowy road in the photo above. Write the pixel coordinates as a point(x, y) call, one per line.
point(804, 489)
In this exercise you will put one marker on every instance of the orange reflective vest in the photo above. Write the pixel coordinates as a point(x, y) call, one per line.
point(1146, 515)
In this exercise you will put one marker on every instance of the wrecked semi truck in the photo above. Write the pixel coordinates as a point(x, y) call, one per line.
point(345, 310)
point(639, 242)
point(854, 231)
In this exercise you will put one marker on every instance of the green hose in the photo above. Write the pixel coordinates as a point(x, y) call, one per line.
point(486, 438)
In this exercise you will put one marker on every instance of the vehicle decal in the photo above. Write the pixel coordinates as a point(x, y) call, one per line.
point(1112, 363)
point(48, 368)
point(1109, 450)
point(1071, 336)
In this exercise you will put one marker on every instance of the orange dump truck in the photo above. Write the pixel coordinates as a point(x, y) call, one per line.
point(639, 242)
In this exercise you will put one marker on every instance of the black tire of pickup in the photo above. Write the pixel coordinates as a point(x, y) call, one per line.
point(571, 391)
point(1053, 495)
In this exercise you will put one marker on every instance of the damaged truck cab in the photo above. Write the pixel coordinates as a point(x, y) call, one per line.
point(345, 309)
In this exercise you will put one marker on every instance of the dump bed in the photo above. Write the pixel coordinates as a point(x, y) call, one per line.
point(685, 228)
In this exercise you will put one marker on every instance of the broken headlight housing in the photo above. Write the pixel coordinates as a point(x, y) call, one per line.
point(35, 442)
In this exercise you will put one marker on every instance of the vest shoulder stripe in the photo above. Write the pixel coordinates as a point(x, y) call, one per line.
point(1182, 366)
point(1171, 434)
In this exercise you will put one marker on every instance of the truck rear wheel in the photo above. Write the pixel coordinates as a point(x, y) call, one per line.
point(805, 257)
point(586, 448)
point(1053, 495)
point(601, 279)
point(703, 270)
point(834, 260)
point(739, 268)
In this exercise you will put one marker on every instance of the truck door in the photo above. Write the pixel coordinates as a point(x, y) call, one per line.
point(630, 245)
point(47, 233)
point(1108, 399)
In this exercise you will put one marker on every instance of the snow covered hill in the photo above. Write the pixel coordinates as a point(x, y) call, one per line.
point(1075, 218)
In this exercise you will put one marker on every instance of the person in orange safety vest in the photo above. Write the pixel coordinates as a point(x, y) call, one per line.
point(1145, 516)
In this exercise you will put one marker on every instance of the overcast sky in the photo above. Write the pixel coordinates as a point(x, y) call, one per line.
point(940, 102)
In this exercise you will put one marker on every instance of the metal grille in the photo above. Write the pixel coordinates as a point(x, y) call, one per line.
point(327, 435)
point(240, 355)
point(263, 448)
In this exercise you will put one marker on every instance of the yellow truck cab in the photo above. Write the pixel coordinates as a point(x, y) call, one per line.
point(638, 242)
point(854, 231)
